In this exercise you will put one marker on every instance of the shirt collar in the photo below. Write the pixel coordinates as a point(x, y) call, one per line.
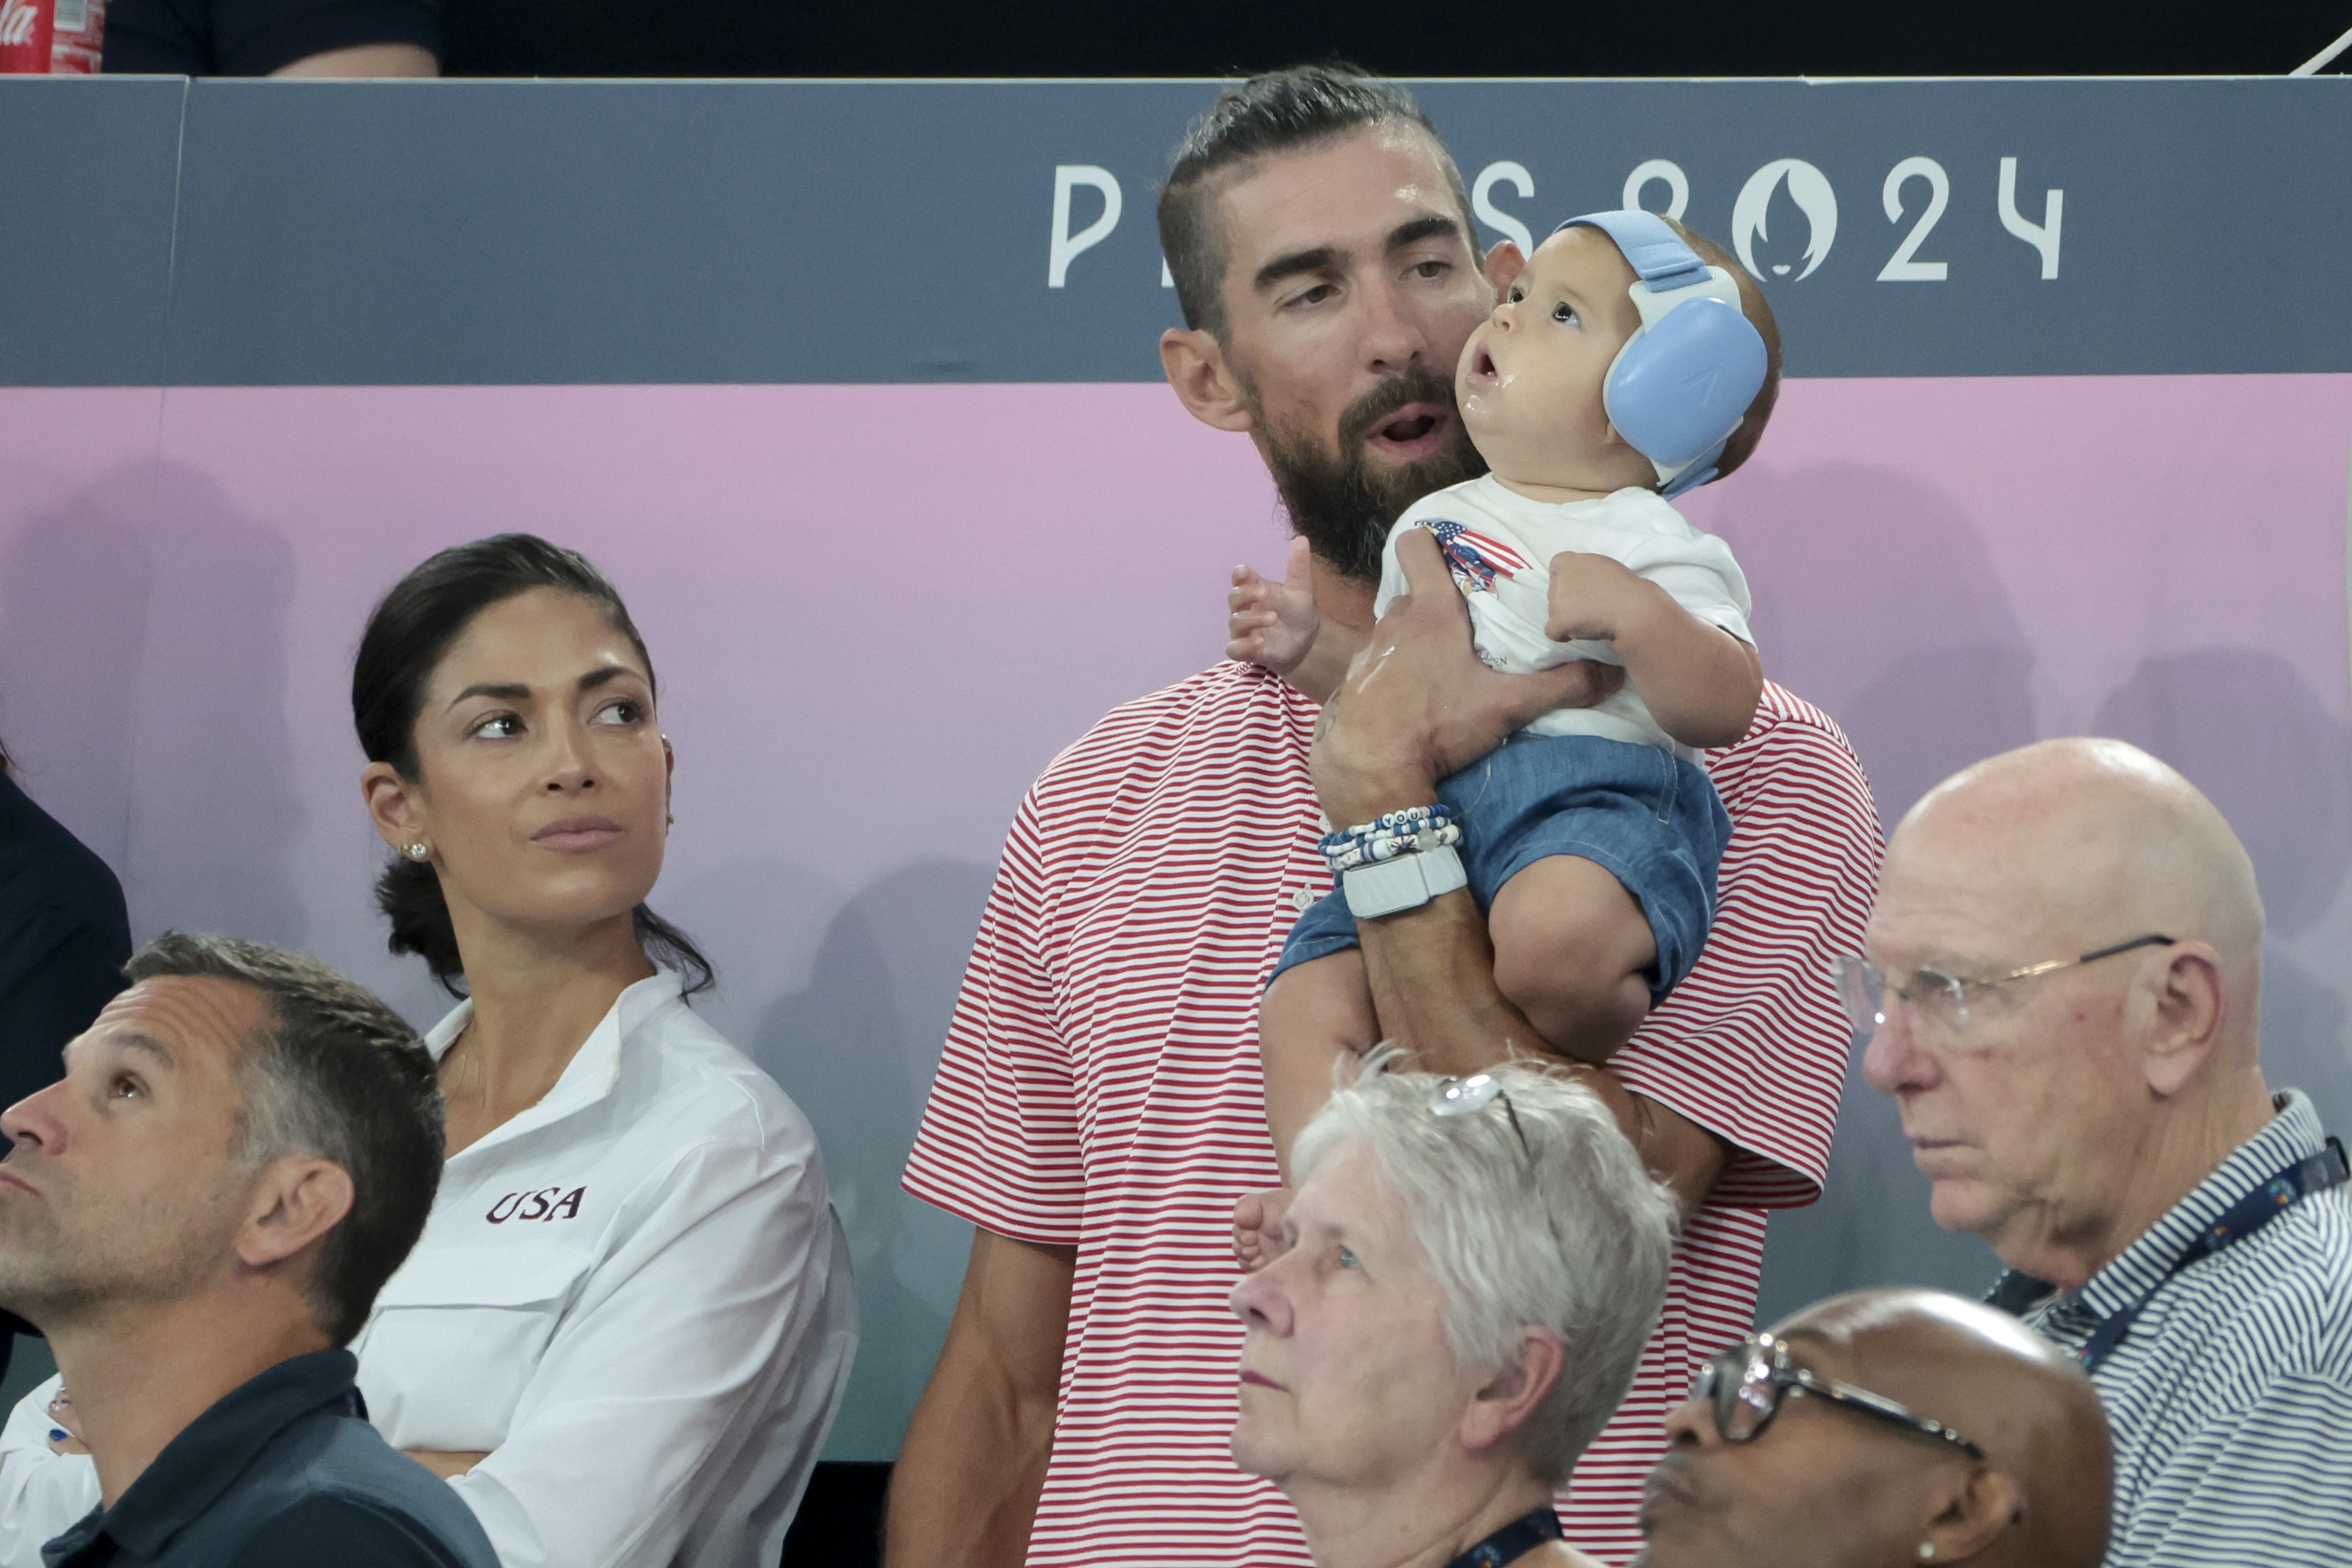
point(216, 1451)
point(2134, 1274)
point(594, 1068)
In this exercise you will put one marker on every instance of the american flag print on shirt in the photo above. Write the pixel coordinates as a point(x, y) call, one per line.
point(1101, 1088)
point(1477, 559)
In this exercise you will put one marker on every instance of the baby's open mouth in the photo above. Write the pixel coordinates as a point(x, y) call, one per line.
point(1482, 364)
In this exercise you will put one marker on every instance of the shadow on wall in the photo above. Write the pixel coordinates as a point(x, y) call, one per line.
point(857, 1050)
point(215, 811)
point(142, 638)
point(75, 589)
point(2249, 731)
point(1876, 599)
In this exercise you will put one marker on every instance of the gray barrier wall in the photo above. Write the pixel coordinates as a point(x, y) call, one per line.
point(242, 232)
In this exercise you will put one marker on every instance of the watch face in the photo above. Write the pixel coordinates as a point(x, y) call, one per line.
point(1405, 883)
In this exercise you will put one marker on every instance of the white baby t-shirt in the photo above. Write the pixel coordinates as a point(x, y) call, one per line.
point(1499, 545)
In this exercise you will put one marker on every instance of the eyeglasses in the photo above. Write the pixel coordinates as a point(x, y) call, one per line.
point(1940, 998)
point(1461, 1096)
point(1744, 1385)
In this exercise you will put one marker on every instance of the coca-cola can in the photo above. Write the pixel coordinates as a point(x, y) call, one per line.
point(52, 37)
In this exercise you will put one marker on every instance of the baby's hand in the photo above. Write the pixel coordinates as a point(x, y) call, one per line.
point(1593, 598)
point(1273, 624)
point(1257, 1227)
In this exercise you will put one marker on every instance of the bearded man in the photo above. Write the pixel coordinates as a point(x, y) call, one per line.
point(1098, 1111)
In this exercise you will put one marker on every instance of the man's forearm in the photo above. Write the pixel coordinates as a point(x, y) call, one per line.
point(1433, 974)
point(965, 1488)
point(964, 1491)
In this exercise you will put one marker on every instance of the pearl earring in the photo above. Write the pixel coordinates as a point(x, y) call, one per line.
point(419, 851)
point(1927, 1552)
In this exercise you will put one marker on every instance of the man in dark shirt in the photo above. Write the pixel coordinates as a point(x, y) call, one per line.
point(243, 1149)
point(64, 938)
point(274, 37)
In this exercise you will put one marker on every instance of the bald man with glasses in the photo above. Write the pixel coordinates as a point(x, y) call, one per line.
point(2060, 990)
point(1885, 1429)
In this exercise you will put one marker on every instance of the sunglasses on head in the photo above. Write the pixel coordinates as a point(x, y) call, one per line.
point(1744, 1385)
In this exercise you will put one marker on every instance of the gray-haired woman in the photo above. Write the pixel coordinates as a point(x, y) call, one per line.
point(1470, 1268)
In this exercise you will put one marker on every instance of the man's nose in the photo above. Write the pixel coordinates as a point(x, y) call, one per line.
point(33, 1121)
point(1393, 339)
point(1691, 1425)
point(1895, 1061)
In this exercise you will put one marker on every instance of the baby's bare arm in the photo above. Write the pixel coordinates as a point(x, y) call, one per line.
point(1701, 682)
point(1276, 625)
point(1326, 665)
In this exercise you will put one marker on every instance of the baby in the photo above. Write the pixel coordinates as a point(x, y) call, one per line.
point(1611, 376)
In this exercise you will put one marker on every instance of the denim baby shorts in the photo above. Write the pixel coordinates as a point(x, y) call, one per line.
point(1648, 817)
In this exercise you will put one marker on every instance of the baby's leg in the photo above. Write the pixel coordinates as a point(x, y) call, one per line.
point(1570, 948)
point(1313, 1014)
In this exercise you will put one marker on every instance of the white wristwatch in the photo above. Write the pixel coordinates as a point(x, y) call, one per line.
point(1407, 882)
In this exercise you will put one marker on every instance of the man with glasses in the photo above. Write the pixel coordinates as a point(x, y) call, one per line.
point(1885, 1427)
point(2060, 992)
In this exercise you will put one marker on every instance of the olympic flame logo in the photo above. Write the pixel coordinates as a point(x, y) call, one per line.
point(1809, 188)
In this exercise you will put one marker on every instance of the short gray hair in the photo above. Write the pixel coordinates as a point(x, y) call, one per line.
point(337, 1075)
point(1568, 1233)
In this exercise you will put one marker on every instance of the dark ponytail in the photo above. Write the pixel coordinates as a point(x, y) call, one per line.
point(406, 638)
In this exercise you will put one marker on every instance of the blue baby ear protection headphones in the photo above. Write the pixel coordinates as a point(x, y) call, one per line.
point(1683, 382)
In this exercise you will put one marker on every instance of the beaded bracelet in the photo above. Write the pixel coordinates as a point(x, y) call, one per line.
point(1410, 831)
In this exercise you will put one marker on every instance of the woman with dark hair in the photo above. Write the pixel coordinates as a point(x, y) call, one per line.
point(626, 1328)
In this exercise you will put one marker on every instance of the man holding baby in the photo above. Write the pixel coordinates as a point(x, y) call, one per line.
point(1101, 1107)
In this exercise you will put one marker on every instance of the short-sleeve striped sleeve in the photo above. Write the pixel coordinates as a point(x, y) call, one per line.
point(999, 1140)
point(1753, 1044)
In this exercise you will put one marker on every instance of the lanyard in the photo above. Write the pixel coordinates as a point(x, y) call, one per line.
point(1513, 1542)
point(2248, 1214)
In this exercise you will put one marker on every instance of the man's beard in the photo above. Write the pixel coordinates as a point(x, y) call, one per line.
point(1344, 503)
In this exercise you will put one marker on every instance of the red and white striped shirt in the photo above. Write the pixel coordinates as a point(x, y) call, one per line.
point(1100, 1086)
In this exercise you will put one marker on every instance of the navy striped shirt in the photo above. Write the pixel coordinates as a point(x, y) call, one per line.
point(2231, 1398)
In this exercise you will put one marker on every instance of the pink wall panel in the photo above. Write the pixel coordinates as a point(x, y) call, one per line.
point(876, 612)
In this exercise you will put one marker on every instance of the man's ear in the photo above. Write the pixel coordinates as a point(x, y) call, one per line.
point(1978, 1507)
point(298, 1198)
point(1504, 265)
point(1511, 1396)
point(2190, 1003)
point(1204, 383)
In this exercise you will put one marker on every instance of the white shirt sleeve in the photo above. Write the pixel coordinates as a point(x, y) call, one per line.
point(682, 1340)
point(42, 1494)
